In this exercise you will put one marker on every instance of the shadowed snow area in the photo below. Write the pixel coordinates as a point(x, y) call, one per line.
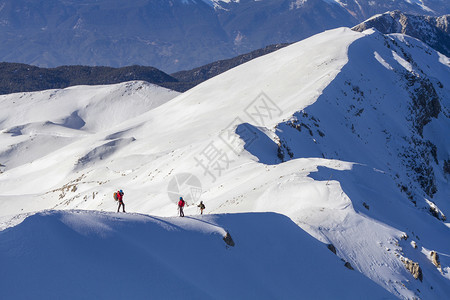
point(102, 152)
point(73, 121)
point(79, 254)
point(258, 143)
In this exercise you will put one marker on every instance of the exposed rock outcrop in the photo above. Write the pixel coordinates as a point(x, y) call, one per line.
point(435, 211)
point(413, 268)
point(447, 166)
point(228, 240)
point(348, 265)
point(331, 248)
point(435, 259)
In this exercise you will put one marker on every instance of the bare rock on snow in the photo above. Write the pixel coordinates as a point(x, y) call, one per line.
point(348, 265)
point(331, 248)
point(413, 268)
point(435, 259)
point(435, 211)
point(228, 240)
point(447, 166)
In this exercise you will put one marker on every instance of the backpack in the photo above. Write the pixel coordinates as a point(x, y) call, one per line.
point(115, 196)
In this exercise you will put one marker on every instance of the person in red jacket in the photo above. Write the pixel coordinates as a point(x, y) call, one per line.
point(181, 206)
point(120, 199)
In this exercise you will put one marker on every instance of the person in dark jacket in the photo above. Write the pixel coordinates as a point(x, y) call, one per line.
point(181, 206)
point(120, 199)
point(202, 207)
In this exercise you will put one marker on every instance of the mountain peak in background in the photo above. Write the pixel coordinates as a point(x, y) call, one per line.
point(434, 31)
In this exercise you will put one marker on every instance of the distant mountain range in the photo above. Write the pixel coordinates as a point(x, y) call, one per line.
point(16, 77)
point(172, 35)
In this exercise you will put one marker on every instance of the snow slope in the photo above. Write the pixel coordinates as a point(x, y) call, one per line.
point(141, 257)
point(344, 133)
point(34, 125)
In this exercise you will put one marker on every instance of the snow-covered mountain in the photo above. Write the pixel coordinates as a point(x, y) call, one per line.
point(160, 33)
point(34, 123)
point(434, 31)
point(172, 35)
point(346, 133)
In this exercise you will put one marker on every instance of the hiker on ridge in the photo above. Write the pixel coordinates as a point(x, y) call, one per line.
point(181, 206)
point(120, 199)
point(202, 207)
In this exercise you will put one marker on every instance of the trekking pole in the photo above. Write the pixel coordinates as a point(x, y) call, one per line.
point(329, 179)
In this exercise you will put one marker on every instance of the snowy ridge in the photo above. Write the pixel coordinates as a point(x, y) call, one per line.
point(165, 258)
point(351, 147)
